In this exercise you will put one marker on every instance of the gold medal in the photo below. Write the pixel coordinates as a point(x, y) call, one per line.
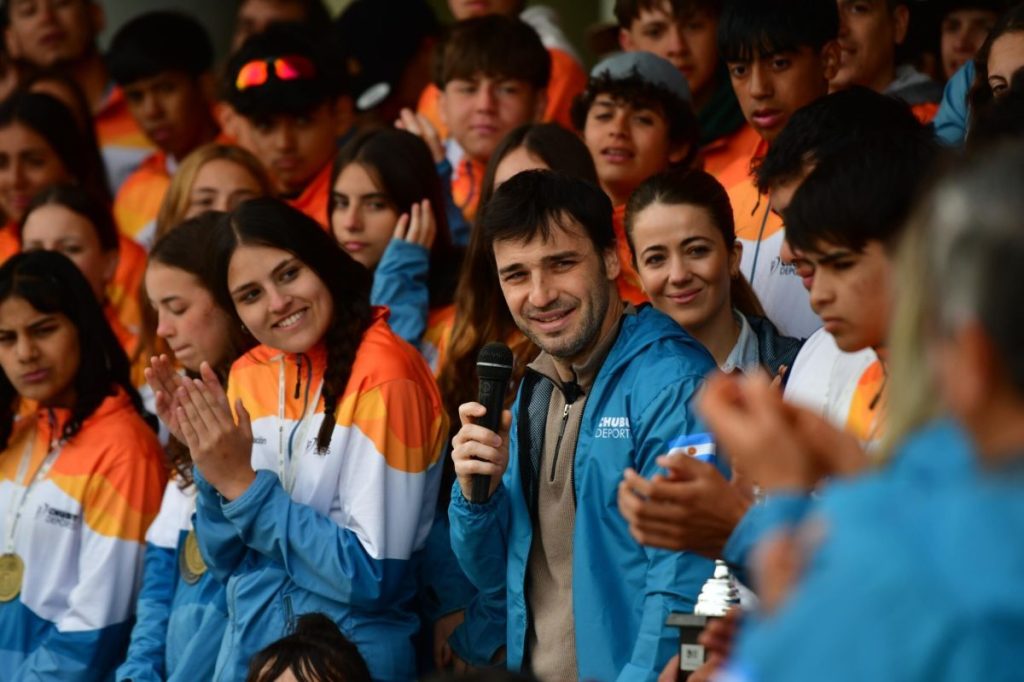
point(12, 572)
point(191, 564)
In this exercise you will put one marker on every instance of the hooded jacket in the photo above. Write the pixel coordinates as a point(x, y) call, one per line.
point(341, 541)
point(81, 539)
point(639, 405)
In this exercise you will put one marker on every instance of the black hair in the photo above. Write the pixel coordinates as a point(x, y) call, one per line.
point(81, 202)
point(638, 92)
point(316, 651)
point(861, 193)
point(494, 45)
point(533, 203)
point(50, 118)
point(51, 283)
point(628, 11)
point(1002, 121)
point(190, 247)
point(270, 222)
point(691, 187)
point(159, 41)
point(275, 96)
point(981, 95)
point(480, 311)
point(828, 124)
point(401, 163)
point(764, 27)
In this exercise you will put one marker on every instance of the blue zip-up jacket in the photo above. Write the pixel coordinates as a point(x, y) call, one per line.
point(622, 592)
point(341, 541)
point(917, 577)
point(954, 113)
point(178, 626)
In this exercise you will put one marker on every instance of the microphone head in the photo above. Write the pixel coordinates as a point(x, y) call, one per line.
point(494, 362)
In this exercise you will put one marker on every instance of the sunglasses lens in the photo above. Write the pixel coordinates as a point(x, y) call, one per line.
point(251, 75)
point(293, 68)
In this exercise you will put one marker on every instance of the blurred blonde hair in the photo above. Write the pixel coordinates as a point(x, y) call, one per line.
point(176, 200)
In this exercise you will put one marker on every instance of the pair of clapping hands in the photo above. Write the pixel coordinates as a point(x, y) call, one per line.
point(197, 413)
point(778, 446)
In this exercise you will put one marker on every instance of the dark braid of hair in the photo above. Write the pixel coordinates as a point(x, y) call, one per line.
point(342, 339)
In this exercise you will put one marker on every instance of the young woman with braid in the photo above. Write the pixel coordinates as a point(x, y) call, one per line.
point(317, 498)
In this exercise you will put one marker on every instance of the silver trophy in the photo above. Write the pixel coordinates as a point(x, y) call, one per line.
point(717, 596)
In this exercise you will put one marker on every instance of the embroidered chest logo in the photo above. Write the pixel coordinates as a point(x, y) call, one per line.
point(615, 428)
point(57, 517)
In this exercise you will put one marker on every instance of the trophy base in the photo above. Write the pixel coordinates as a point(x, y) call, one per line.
point(691, 654)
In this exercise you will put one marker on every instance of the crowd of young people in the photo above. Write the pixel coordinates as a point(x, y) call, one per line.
point(756, 289)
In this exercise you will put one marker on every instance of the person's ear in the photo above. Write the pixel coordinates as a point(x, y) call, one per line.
point(612, 266)
point(343, 113)
point(442, 108)
point(12, 44)
point(208, 88)
point(626, 40)
point(830, 56)
point(735, 259)
point(900, 23)
point(98, 17)
point(110, 261)
point(540, 105)
point(678, 153)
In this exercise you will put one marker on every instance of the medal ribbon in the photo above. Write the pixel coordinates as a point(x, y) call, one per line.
point(14, 512)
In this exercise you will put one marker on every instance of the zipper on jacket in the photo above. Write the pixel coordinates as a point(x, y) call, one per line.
point(558, 443)
point(298, 376)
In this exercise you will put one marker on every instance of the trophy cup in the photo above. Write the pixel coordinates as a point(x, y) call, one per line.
point(718, 595)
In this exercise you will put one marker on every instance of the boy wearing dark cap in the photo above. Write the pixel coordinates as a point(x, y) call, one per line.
point(685, 32)
point(289, 96)
point(162, 61)
point(636, 119)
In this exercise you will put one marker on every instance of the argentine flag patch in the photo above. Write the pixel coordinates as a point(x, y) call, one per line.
point(698, 445)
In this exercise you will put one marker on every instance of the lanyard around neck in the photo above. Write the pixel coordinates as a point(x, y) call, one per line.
point(14, 512)
point(286, 460)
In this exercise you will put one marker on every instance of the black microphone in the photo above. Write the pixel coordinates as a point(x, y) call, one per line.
point(494, 369)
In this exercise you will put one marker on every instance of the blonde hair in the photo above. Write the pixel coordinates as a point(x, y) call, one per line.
point(176, 200)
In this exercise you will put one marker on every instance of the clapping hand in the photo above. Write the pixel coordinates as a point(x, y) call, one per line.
point(220, 448)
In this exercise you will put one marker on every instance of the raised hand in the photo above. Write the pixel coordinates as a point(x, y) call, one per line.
point(478, 450)
point(417, 226)
point(692, 509)
point(418, 125)
point(221, 449)
point(165, 382)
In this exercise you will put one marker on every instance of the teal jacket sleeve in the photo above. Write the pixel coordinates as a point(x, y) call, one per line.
point(479, 539)
point(674, 579)
point(146, 651)
point(952, 119)
point(85, 656)
point(444, 588)
point(319, 555)
point(400, 283)
point(219, 543)
point(458, 226)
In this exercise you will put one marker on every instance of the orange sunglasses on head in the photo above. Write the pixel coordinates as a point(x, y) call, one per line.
point(288, 68)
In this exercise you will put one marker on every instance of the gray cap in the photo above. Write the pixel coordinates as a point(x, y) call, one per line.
point(648, 67)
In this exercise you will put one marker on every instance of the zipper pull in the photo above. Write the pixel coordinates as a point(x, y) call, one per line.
point(298, 378)
point(565, 412)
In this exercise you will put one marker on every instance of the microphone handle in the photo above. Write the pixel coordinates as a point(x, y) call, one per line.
point(492, 397)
